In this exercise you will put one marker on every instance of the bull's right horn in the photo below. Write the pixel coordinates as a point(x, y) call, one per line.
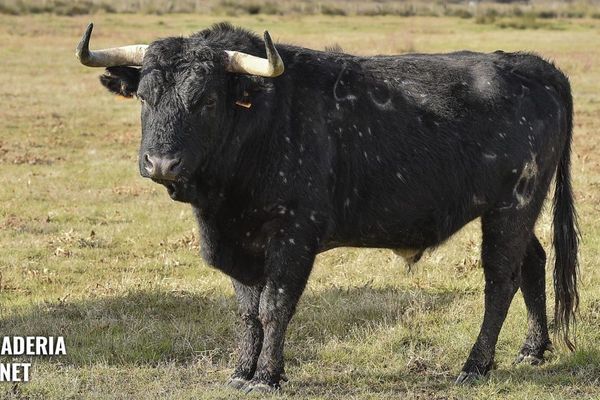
point(119, 56)
point(243, 63)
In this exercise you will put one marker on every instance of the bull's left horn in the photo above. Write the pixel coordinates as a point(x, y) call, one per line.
point(119, 56)
point(269, 67)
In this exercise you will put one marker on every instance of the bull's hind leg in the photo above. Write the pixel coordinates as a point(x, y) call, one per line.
point(533, 287)
point(505, 237)
point(251, 336)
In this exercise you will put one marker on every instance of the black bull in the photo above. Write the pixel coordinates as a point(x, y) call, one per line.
point(394, 152)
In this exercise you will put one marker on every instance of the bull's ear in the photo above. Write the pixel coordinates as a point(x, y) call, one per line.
point(121, 80)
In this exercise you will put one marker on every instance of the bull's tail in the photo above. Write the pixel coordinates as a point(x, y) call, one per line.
point(566, 237)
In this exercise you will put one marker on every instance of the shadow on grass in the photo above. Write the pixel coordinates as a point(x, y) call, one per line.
point(141, 327)
point(148, 327)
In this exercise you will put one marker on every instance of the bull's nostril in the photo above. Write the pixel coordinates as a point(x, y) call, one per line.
point(148, 164)
point(174, 165)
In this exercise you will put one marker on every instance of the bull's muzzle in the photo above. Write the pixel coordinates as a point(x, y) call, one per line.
point(162, 168)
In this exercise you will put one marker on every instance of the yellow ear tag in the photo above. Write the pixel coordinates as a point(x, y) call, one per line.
point(245, 104)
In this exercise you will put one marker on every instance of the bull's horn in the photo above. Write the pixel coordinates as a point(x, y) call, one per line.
point(269, 67)
point(118, 56)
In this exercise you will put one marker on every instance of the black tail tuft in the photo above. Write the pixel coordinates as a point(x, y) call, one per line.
point(566, 238)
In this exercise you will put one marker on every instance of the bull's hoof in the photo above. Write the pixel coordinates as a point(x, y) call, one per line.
point(468, 378)
point(529, 359)
point(237, 383)
point(261, 387)
point(533, 354)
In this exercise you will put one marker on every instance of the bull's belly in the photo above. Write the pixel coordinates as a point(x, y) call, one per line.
point(406, 244)
point(406, 235)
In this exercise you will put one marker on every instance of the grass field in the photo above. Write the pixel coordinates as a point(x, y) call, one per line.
point(91, 251)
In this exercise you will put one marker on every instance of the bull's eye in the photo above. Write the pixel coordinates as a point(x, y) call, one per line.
point(141, 99)
point(210, 102)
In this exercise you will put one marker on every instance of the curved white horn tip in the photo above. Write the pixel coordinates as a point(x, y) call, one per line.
point(83, 48)
point(273, 55)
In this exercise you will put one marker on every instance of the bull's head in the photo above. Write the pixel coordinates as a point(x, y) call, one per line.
point(188, 88)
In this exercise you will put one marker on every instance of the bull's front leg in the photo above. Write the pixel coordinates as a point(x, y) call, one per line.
point(251, 334)
point(288, 264)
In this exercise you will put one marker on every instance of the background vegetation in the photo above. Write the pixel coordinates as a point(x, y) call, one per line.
point(482, 11)
point(91, 251)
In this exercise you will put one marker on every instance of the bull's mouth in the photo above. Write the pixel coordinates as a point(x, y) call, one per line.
point(178, 190)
